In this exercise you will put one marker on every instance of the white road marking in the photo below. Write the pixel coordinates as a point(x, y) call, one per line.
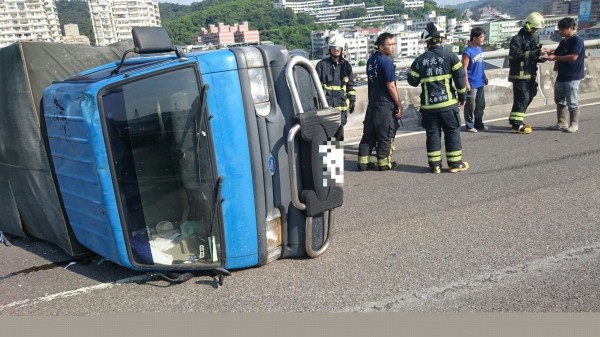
point(69, 293)
point(411, 298)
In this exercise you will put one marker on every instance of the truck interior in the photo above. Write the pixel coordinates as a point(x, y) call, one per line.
point(160, 145)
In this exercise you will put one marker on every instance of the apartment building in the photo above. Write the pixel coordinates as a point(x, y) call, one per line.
point(499, 32)
point(72, 35)
point(325, 12)
point(408, 42)
point(420, 24)
point(560, 7)
point(31, 20)
point(302, 6)
point(414, 3)
point(222, 35)
point(112, 20)
point(357, 42)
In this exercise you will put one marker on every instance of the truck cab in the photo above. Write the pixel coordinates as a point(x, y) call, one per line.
point(206, 160)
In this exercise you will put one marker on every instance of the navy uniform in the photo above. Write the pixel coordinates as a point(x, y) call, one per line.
point(379, 125)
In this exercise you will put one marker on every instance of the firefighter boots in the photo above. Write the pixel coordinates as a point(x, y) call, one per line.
point(459, 168)
point(391, 166)
point(522, 128)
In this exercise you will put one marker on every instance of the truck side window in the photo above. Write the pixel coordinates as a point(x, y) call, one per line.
point(161, 156)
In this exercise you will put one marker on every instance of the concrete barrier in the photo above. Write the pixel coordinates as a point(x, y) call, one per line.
point(498, 94)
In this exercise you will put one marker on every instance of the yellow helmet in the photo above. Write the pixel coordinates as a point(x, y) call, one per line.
point(533, 20)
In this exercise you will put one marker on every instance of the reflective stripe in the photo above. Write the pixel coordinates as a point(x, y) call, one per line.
point(439, 105)
point(520, 77)
point(517, 116)
point(436, 78)
point(333, 87)
point(351, 92)
point(384, 162)
point(526, 55)
point(387, 161)
point(446, 78)
point(434, 156)
point(414, 73)
point(454, 156)
point(457, 66)
point(461, 90)
point(363, 160)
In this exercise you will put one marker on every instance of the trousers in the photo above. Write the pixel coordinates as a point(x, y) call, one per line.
point(474, 106)
point(379, 130)
point(449, 122)
point(523, 94)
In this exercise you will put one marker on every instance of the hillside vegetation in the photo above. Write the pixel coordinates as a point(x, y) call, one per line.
point(281, 26)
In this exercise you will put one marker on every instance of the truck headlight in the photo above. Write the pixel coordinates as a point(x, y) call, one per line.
point(274, 234)
point(260, 91)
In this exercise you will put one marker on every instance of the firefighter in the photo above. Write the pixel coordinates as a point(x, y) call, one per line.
point(524, 55)
point(337, 80)
point(435, 70)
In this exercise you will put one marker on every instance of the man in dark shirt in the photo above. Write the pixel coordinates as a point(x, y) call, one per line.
point(569, 57)
point(384, 107)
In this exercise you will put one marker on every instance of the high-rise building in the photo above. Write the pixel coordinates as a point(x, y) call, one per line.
point(414, 3)
point(72, 35)
point(301, 6)
point(112, 20)
point(31, 20)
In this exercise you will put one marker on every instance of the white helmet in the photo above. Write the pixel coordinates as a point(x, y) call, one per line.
point(336, 41)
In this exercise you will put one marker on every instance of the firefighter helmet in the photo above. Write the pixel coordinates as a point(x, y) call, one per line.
point(533, 20)
point(336, 42)
point(432, 31)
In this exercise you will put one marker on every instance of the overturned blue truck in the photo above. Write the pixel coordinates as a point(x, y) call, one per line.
point(172, 161)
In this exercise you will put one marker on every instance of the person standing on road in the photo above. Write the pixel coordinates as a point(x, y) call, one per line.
point(476, 80)
point(337, 80)
point(435, 70)
point(569, 57)
point(384, 107)
point(524, 55)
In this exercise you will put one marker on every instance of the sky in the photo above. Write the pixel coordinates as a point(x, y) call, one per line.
point(439, 2)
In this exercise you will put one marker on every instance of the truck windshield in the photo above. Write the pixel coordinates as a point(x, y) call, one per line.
point(160, 146)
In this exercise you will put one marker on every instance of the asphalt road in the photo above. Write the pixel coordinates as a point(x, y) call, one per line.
point(518, 232)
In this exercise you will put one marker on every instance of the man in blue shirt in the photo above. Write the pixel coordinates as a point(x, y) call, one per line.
point(569, 57)
point(472, 60)
point(379, 126)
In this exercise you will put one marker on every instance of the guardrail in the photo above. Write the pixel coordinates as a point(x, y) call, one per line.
point(488, 55)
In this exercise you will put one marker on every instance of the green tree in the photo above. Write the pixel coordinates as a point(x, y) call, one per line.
point(77, 12)
point(352, 13)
